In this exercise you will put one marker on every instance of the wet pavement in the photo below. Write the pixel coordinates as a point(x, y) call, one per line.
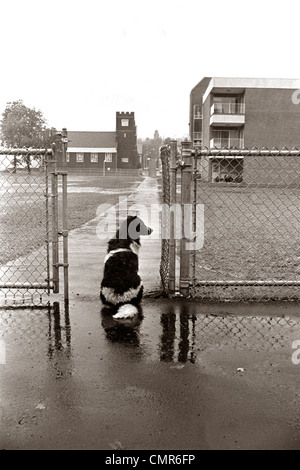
point(184, 375)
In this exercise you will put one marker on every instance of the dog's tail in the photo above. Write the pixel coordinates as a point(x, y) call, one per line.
point(126, 311)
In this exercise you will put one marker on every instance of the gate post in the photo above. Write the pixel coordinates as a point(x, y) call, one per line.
point(60, 149)
point(186, 181)
point(55, 246)
point(172, 253)
point(64, 146)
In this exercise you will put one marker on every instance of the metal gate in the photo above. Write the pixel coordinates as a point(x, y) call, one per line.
point(33, 215)
point(245, 223)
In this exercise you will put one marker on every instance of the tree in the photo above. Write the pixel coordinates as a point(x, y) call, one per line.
point(24, 127)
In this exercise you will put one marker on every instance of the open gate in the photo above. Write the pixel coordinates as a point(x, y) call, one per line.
point(33, 218)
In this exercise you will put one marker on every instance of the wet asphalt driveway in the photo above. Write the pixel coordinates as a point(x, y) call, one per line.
point(186, 376)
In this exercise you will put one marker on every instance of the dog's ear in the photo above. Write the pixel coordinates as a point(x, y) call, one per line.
point(129, 219)
point(134, 228)
point(128, 229)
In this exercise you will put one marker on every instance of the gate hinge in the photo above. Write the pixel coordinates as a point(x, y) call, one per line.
point(61, 265)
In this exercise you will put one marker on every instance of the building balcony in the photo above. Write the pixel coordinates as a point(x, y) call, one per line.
point(230, 143)
point(227, 114)
point(227, 108)
point(227, 120)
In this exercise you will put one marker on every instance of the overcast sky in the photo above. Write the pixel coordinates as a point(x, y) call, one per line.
point(81, 61)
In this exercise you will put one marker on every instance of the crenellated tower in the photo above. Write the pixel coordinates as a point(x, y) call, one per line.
point(126, 140)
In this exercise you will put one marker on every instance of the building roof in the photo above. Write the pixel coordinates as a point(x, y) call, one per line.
point(93, 141)
point(256, 82)
point(239, 84)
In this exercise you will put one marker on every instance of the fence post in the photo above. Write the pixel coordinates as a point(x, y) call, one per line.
point(65, 231)
point(172, 259)
point(59, 148)
point(186, 181)
point(55, 246)
point(64, 140)
point(65, 234)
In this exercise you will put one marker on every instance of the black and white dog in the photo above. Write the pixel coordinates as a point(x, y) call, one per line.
point(121, 286)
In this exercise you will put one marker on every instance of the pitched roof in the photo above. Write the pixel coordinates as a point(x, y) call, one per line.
point(91, 140)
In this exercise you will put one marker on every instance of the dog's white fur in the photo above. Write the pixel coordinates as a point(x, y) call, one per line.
point(134, 247)
point(116, 299)
point(126, 311)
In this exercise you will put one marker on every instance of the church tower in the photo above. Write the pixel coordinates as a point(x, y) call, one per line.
point(126, 140)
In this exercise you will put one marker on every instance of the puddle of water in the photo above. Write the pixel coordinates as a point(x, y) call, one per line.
point(174, 334)
point(172, 368)
point(180, 334)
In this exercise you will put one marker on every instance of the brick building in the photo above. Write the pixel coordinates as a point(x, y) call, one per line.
point(243, 113)
point(94, 151)
point(105, 152)
point(126, 141)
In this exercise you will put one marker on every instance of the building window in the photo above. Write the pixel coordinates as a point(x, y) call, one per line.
point(228, 104)
point(227, 138)
point(94, 158)
point(125, 160)
point(79, 157)
point(108, 157)
point(125, 135)
point(125, 122)
point(197, 125)
point(197, 111)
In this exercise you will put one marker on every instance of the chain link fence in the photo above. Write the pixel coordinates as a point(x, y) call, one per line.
point(24, 226)
point(251, 227)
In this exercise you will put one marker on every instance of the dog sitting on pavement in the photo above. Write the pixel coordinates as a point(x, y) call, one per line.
point(121, 286)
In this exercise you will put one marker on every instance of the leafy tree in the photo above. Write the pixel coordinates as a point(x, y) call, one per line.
point(24, 127)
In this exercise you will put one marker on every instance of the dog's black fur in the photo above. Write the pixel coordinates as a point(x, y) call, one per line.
point(121, 284)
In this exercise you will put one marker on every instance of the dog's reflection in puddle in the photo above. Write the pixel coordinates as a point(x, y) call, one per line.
point(122, 330)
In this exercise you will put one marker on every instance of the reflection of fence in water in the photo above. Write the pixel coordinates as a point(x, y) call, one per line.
point(35, 332)
point(184, 337)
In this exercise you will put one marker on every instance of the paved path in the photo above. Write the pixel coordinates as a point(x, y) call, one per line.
point(87, 250)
